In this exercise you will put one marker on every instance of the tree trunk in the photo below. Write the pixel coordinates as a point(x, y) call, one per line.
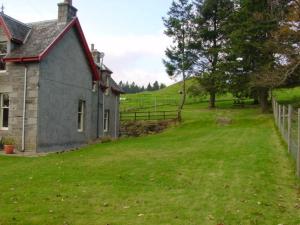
point(183, 94)
point(212, 100)
point(263, 95)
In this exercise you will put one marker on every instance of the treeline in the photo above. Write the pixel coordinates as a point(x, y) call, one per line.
point(246, 47)
point(134, 88)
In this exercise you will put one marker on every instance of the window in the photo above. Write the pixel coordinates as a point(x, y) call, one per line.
point(81, 108)
point(4, 111)
point(106, 121)
point(3, 52)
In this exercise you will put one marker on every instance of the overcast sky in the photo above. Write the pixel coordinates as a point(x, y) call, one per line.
point(130, 32)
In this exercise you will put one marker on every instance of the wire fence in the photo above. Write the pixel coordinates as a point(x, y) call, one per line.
point(287, 119)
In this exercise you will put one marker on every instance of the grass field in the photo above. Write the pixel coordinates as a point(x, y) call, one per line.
point(199, 172)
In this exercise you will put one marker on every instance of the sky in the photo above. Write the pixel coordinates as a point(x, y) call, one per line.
point(129, 32)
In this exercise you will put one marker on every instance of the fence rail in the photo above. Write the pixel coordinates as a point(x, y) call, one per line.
point(155, 115)
point(287, 119)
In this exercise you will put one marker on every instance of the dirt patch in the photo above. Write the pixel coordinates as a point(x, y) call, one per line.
point(141, 128)
point(224, 121)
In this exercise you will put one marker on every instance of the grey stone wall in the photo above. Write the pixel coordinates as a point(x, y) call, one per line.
point(12, 82)
point(111, 103)
point(65, 79)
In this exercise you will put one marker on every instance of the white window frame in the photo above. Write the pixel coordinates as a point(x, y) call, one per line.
point(81, 115)
point(106, 121)
point(2, 107)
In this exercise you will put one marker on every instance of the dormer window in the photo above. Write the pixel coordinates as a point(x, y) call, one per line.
point(3, 53)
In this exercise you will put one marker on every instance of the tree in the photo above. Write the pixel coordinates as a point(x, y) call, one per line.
point(162, 86)
point(209, 43)
point(287, 39)
point(250, 29)
point(149, 87)
point(155, 86)
point(180, 58)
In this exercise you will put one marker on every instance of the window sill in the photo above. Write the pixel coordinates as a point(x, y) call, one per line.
point(3, 71)
point(80, 131)
point(3, 129)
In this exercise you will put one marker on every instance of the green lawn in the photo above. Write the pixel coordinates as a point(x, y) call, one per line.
point(199, 172)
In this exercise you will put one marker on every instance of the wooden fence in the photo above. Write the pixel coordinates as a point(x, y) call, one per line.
point(287, 119)
point(155, 115)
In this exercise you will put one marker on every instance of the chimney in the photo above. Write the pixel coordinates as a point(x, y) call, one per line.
point(97, 56)
point(66, 12)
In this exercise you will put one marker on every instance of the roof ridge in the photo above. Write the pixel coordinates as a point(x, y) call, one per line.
point(15, 20)
point(42, 21)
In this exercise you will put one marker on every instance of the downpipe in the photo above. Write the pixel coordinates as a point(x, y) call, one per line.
point(24, 108)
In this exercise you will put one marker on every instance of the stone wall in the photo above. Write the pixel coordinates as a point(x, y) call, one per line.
point(12, 82)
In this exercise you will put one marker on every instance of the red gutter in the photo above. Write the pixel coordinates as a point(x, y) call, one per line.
point(74, 22)
point(87, 50)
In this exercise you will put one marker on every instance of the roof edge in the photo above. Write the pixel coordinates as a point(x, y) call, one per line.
point(41, 56)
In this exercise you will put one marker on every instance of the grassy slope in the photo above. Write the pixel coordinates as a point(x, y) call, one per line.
point(196, 173)
point(168, 91)
point(168, 97)
point(288, 95)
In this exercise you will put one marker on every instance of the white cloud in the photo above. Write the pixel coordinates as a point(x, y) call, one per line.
point(142, 77)
point(122, 45)
point(135, 58)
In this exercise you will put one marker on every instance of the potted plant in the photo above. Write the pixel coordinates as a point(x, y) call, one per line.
point(8, 145)
point(1, 144)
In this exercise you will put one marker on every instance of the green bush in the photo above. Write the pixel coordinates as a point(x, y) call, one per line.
point(8, 141)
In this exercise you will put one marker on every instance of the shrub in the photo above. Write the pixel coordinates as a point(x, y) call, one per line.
point(8, 141)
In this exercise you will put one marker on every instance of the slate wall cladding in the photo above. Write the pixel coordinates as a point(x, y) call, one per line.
point(65, 80)
point(12, 82)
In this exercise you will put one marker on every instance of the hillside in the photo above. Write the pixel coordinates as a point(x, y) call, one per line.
point(288, 96)
point(169, 96)
point(164, 99)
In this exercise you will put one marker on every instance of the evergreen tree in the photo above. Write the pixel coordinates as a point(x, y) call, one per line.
point(162, 86)
point(149, 87)
point(209, 43)
point(155, 86)
point(251, 29)
point(178, 25)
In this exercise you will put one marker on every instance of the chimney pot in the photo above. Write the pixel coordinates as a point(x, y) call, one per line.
point(92, 47)
point(69, 2)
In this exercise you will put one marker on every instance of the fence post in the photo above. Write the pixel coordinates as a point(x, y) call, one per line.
point(164, 115)
point(135, 116)
point(149, 116)
point(298, 149)
point(279, 117)
point(289, 126)
point(276, 113)
point(283, 121)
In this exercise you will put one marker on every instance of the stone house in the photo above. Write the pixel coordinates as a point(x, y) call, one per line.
point(55, 94)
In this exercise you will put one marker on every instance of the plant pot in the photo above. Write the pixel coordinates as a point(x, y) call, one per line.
point(9, 149)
